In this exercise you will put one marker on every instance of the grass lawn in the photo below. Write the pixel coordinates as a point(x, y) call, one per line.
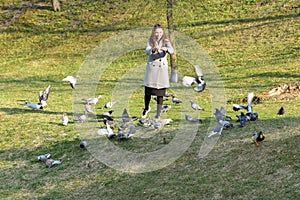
point(253, 45)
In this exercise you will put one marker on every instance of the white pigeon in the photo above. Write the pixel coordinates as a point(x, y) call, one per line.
point(65, 119)
point(92, 100)
point(72, 80)
point(198, 80)
point(33, 106)
point(195, 106)
point(109, 104)
point(43, 96)
point(50, 162)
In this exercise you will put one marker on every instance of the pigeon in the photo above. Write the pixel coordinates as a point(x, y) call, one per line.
point(92, 100)
point(237, 107)
point(242, 119)
point(221, 114)
point(258, 138)
point(81, 118)
point(161, 123)
point(121, 134)
point(175, 100)
point(198, 80)
point(192, 119)
point(164, 140)
point(110, 133)
point(131, 131)
point(146, 122)
point(106, 115)
point(50, 162)
point(166, 108)
point(281, 111)
point(88, 108)
point(44, 157)
point(226, 124)
point(83, 144)
point(33, 106)
point(109, 104)
point(111, 123)
point(43, 96)
point(65, 119)
point(195, 106)
point(72, 80)
point(217, 130)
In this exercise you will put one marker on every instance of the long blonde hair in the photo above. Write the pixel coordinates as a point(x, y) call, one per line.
point(152, 39)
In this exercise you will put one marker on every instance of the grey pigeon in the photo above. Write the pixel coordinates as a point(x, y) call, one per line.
point(131, 131)
point(43, 96)
point(175, 100)
point(192, 119)
point(221, 114)
point(71, 79)
point(83, 144)
point(33, 106)
point(217, 130)
point(81, 118)
point(126, 118)
point(195, 106)
point(166, 108)
point(158, 125)
point(121, 134)
point(242, 119)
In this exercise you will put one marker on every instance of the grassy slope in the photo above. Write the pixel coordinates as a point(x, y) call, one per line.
point(255, 45)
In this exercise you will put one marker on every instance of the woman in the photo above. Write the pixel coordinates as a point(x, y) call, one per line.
point(156, 78)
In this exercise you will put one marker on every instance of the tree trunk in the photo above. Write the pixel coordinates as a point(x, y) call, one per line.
point(173, 58)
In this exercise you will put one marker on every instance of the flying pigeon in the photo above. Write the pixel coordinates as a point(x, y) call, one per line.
point(72, 80)
point(109, 104)
point(281, 111)
point(166, 108)
point(192, 119)
point(175, 100)
point(33, 106)
point(65, 119)
point(258, 138)
point(83, 144)
point(92, 100)
point(237, 107)
point(106, 115)
point(131, 131)
point(43, 96)
point(221, 114)
point(217, 130)
point(110, 133)
point(198, 80)
point(195, 106)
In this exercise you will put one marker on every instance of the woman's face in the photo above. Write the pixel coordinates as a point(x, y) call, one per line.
point(158, 33)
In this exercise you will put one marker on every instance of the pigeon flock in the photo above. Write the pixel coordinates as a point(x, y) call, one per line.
point(126, 128)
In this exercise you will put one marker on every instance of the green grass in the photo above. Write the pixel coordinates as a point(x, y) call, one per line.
point(254, 44)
